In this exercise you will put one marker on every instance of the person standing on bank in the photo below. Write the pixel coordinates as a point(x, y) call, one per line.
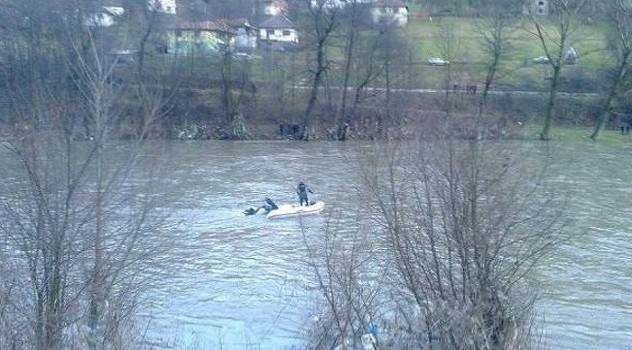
point(301, 191)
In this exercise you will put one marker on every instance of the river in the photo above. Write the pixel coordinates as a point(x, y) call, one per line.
point(241, 282)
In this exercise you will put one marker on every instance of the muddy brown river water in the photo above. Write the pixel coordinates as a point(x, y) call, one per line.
point(241, 283)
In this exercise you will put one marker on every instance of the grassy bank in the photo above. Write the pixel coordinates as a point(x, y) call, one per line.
point(579, 134)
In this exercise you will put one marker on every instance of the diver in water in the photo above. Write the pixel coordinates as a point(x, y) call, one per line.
point(268, 207)
point(301, 191)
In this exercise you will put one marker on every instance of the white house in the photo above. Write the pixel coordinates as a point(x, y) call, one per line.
point(389, 12)
point(106, 17)
point(278, 29)
point(164, 6)
point(247, 34)
point(338, 4)
point(329, 4)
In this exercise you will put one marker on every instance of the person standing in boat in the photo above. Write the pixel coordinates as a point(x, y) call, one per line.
point(302, 190)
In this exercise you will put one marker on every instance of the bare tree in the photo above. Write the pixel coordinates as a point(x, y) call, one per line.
point(448, 47)
point(459, 233)
point(554, 40)
point(341, 266)
point(323, 22)
point(369, 70)
point(352, 21)
point(389, 44)
point(494, 29)
point(463, 231)
point(620, 13)
point(77, 230)
point(233, 88)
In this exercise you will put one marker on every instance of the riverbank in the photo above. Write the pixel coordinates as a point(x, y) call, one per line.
point(579, 135)
point(195, 114)
point(402, 113)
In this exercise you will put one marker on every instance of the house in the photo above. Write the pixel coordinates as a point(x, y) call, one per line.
point(389, 12)
point(278, 29)
point(107, 16)
point(330, 4)
point(163, 6)
point(246, 34)
point(536, 7)
point(338, 4)
point(200, 37)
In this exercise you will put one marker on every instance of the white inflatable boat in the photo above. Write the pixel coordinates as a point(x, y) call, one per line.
point(289, 210)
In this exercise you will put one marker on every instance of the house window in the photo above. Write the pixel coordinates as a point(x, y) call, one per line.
point(383, 10)
point(178, 33)
point(286, 33)
point(541, 3)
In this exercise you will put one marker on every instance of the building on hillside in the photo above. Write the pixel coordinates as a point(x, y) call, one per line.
point(107, 16)
point(339, 4)
point(536, 7)
point(200, 38)
point(163, 6)
point(329, 4)
point(278, 30)
point(246, 35)
point(389, 12)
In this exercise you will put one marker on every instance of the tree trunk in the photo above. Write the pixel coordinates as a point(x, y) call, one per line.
point(550, 106)
point(387, 76)
point(96, 285)
point(340, 123)
point(489, 79)
point(227, 105)
point(318, 76)
point(603, 117)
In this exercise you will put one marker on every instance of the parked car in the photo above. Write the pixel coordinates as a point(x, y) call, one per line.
point(436, 61)
point(540, 60)
point(246, 56)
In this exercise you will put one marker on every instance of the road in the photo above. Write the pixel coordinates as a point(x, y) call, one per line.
point(491, 92)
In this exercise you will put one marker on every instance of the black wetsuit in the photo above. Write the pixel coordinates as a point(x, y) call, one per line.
point(271, 205)
point(302, 194)
point(268, 207)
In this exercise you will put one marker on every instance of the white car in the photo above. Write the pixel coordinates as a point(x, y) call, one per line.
point(436, 61)
point(246, 56)
point(540, 60)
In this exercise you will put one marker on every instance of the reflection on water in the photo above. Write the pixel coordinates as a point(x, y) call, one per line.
point(242, 283)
